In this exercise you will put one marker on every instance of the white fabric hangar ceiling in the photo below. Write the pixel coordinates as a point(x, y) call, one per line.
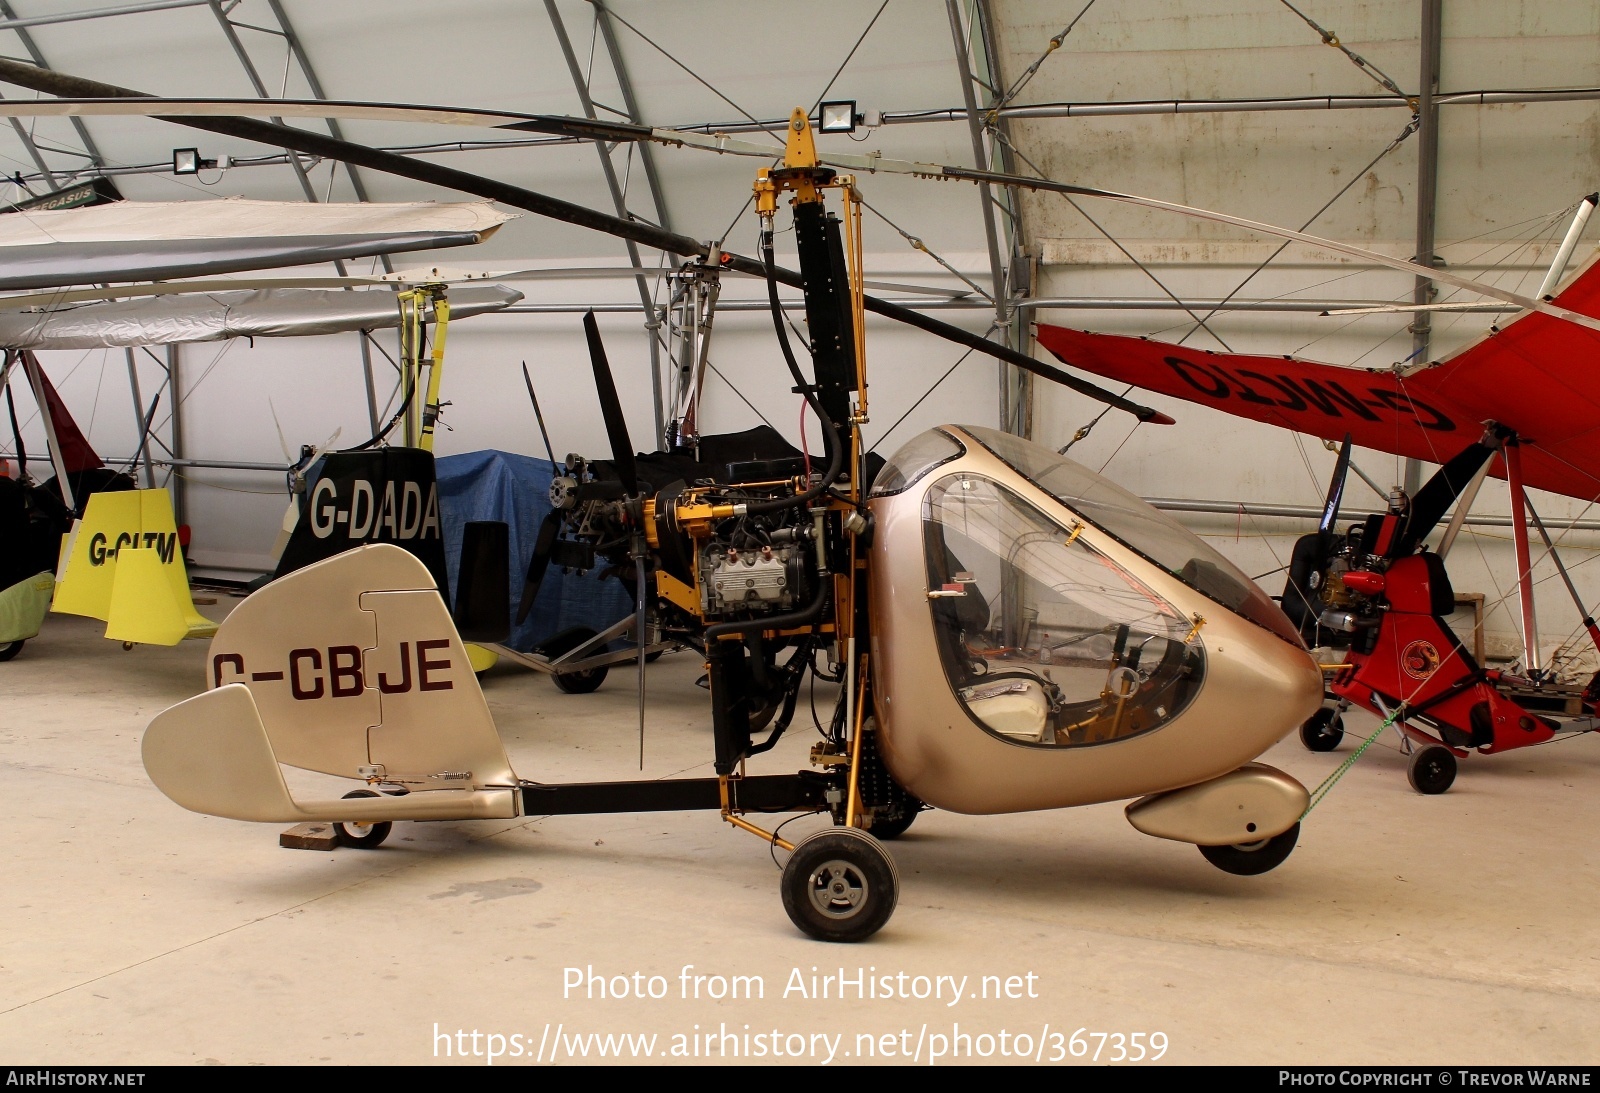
point(1507, 174)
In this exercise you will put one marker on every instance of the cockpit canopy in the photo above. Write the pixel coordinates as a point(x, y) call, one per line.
point(1104, 505)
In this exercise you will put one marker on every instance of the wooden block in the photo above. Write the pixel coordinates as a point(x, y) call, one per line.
point(309, 837)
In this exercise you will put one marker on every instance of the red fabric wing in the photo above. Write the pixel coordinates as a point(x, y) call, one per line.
point(1538, 375)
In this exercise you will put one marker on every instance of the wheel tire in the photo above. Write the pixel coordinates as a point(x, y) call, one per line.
point(573, 683)
point(1323, 730)
point(359, 836)
point(1253, 859)
point(840, 885)
point(580, 683)
point(1432, 770)
point(11, 649)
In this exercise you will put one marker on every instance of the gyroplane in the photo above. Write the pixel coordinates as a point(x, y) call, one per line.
point(1091, 649)
point(1518, 404)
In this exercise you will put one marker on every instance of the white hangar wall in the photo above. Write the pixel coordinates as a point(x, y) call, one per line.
point(1505, 176)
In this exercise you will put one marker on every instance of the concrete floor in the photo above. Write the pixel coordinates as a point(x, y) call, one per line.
point(1458, 929)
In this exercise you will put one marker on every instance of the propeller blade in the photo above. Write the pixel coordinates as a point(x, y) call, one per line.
point(641, 629)
point(549, 528)
point(1341, 471)
point(611, 407)
point(543, 432)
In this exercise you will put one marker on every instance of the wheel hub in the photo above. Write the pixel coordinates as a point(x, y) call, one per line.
point(838, 890)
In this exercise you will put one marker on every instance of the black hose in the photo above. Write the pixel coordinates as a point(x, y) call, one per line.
point(830, 433)
point(805, 616)
point(382, 434)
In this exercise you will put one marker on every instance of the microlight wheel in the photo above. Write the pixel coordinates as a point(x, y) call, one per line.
point(1432, 770)
point(579, 683)
point(11, 649)
point(361, 836)
point(840, 885)
point(573, 683)
point(1323, 730)
point(1253, 859)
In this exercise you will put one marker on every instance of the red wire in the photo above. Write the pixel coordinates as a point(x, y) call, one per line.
point(805, 449)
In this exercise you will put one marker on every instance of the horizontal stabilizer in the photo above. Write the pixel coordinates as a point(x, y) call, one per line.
point(211, 755)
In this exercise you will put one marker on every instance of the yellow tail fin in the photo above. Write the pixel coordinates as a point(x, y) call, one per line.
point(124, 567)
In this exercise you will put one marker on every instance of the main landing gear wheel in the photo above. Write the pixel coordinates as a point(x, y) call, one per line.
point(1432, 770)
point(361, 836)
point(840, 885)
point(1323, 730)
point(1253, 859)
point(11, 649)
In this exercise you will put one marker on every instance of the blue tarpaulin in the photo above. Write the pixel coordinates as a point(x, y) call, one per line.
point(514, 489)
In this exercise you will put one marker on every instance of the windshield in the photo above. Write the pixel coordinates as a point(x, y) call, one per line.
point(1139, 527)
point(916, 458)
point(1046, 640)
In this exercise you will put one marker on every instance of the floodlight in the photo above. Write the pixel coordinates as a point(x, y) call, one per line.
point(187, 161)
point(837, 117)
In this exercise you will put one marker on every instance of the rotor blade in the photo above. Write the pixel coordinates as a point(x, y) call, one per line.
point(1341, 471)
point(538, 562)
point(538, 415)
point(611, 407)
point(52, 82)
point(80, 96)
point(112, 105)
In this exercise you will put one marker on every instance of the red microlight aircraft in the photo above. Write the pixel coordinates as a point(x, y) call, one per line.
point(1522, 404)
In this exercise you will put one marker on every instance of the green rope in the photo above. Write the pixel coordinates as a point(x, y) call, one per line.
point(1328, 783)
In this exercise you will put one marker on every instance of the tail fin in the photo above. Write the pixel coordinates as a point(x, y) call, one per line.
point(124, 566)
point(76, 453)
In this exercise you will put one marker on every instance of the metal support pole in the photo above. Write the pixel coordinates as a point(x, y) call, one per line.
point(1427, 196)
point(1519, 539)
point(180, 500)
point(366, 374)
point(262, 93)
point(980, 157)
point(619, 202)
point(33, 152)
point(1018, 332)
point(646, 153)
point(1566, 578)
point(1564, 254)
point(357, 186)
point(138, 421)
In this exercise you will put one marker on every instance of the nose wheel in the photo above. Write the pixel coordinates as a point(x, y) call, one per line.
point(1323, 730)
point(1432, 770)
point(1253, 858)
point(840, 885)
